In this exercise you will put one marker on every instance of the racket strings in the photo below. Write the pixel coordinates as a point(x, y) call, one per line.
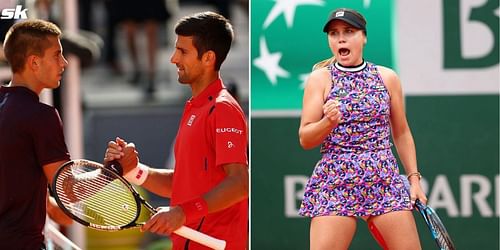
point(96, 196)
point(94, 212)
point(90, 209)
point(89, 187)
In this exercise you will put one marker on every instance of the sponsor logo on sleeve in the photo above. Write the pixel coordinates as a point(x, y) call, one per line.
point(228, 130)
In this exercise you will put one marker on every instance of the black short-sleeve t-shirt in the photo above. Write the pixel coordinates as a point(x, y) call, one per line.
point(31, 136)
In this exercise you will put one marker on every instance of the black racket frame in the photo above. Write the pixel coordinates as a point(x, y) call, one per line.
point(112, 172)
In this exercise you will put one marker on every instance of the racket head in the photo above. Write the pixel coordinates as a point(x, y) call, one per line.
point(437, 228)
point(95, 196)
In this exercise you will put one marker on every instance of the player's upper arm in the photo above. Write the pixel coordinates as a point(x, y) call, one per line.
point(393, 85)
point(314, 96)
point(49, 142)
point(235, 169)
point(50, 170)
point(391, 81)
point(238, 171)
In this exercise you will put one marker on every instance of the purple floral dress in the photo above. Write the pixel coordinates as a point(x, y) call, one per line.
point(357, 174)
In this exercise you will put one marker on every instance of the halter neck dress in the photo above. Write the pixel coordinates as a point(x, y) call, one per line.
point(357, 174)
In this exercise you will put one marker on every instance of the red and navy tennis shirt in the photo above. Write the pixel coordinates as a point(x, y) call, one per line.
point(212, 132)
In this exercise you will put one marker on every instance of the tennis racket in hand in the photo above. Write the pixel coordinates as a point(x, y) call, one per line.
point(435, 225)
point(99, 197)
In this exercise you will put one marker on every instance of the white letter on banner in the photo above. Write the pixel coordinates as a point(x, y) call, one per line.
point(466, 182)
point(292, 195)
point(497, 191)
point(441, 189)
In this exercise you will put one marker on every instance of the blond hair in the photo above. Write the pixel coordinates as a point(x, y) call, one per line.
point(324, 63)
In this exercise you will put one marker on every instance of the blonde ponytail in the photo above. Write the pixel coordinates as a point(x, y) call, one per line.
point(323, 63)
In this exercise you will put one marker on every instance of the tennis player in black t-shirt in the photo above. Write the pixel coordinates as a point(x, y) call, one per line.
point(32, 144)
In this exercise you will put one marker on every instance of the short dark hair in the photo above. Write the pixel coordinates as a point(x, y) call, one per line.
point(210, 31)
point(27, 38)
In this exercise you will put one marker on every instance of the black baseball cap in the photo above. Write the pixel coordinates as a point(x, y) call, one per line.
point(349, 16)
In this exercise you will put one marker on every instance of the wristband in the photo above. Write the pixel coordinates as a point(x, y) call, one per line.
point(414, 174)
point(194, 209)
point(137, 175)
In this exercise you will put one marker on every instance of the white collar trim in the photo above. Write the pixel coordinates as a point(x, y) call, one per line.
point(350, 69)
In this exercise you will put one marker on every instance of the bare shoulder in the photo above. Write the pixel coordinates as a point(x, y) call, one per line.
point(318, 79)
point(390, 78)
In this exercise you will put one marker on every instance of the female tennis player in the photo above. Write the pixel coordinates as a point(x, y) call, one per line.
point(350, 107)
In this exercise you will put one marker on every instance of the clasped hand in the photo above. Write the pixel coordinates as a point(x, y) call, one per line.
point(165, 221)
point(331, 111)
point(124, 152)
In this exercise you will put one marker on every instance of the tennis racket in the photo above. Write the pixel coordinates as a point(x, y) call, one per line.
point(438, 231)
point(99, 197)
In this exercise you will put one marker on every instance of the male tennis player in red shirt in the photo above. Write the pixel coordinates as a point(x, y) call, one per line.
point(209, 185)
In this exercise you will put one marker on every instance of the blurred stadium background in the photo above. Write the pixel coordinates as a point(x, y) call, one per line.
point(446, 54)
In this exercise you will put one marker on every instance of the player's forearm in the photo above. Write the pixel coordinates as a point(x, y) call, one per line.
point(230, 191)
point(313, 134)
point(406, 151)
point(159, 181)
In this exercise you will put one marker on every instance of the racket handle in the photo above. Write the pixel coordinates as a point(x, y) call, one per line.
point(201, 238)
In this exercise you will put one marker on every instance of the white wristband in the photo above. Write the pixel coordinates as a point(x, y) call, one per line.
point(137, 175)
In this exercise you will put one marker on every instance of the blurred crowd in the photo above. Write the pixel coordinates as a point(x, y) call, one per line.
point(100, 22)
